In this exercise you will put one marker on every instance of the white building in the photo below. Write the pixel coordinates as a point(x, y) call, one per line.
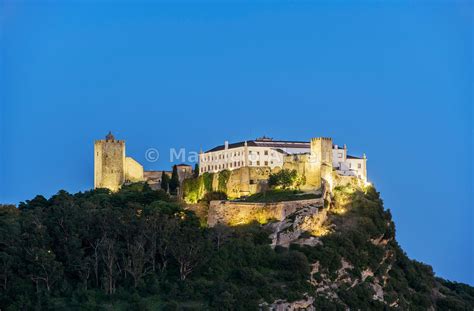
point(266, 152)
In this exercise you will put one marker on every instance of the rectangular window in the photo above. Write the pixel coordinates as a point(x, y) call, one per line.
point(266, 152)
point(266, 163)
point(250, 163)
point(258, 162)
point(359, 165)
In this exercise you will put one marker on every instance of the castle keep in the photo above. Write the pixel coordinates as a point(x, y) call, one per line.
point(111, 167)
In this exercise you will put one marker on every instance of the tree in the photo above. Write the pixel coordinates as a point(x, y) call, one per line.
point(174, 182)
point(196, 170)
point(283, 179)
point(188, 249)
point(165, 181)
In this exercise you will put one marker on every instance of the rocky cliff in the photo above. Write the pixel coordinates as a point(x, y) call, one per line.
point(356, 262)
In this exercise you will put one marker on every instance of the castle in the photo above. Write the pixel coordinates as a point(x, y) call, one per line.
point(112, 168)
point(250, 164)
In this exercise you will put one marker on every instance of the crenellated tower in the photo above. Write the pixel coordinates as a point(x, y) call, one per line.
point(319, 164)
point(109, 163)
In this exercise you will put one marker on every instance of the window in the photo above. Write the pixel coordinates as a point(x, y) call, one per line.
point(258, 152)
point(250, 152)
point(250, 163)
point(359, 165)
point(266, 163)
point(266, 152)
point(339, 155)
point(350, 165)
point(258, 162)
point(271, 162)
point(252, 181)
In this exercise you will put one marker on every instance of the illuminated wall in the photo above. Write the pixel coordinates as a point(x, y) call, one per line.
point(133, 170)
point(109, 164)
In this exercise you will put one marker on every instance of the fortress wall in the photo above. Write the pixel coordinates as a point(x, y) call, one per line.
point(237, 213)
point(246, 181)
point(133, 170)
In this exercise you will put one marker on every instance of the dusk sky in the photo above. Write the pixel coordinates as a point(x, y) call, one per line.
point(391, 80)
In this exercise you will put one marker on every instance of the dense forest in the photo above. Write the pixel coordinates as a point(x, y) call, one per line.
point(137, 249)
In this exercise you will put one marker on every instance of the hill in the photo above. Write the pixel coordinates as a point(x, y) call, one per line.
point(139, 250)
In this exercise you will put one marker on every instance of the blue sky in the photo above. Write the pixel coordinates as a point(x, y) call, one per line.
point(392, 80)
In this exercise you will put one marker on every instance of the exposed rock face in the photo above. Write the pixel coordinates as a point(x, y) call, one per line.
point(235, 213)
point(354, 259)
point(309, 219)
point(282, 305)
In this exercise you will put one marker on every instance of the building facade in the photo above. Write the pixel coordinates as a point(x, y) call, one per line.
point(266, 152)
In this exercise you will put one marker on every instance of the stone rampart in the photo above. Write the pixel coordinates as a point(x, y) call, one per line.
point(237, 213)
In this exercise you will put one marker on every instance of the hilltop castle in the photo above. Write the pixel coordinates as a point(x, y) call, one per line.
point(112, 168)
point(250, 164)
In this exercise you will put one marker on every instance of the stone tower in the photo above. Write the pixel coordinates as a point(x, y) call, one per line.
point(319, 164)
point(109, 163)
point(321, 148)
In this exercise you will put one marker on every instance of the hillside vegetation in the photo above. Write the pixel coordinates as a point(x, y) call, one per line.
point(138, 250)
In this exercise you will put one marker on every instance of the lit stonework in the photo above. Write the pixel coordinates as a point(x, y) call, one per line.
point(266, 152)
point(111, 167)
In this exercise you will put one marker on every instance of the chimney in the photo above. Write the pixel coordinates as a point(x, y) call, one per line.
point(226, 145)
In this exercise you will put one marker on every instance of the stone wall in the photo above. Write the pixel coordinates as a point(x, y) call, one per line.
point(133, 170)
point(236, 213)
point(246, 181)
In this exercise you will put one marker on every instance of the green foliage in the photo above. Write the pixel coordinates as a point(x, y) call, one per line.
point(193, 189)
point(285, 179)
point(165, 182)
point(200, 188)
point(223, 178)
point(280, 195)
point(174, 181)
point(138, 250)
point(127, 251)
point(196, 170)
point(207, 180)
